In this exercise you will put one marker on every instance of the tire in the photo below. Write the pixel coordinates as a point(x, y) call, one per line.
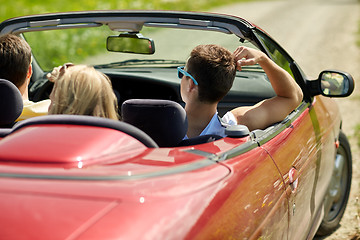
point(339, 189)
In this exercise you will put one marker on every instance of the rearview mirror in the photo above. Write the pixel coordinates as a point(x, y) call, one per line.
point(130, 43)
point(332, 83)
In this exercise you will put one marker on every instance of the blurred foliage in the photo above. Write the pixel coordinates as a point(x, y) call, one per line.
point(52, 52)
point(357, 134)
point(17, 8)
point(72, 45)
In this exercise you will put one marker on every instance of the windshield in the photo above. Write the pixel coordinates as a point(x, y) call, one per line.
point(88, 46)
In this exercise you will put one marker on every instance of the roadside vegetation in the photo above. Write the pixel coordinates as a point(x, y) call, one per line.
point(67, 47)
point(357, 134)
point(356, 236)
point(357, 128)
point(17, 8)
point(56, 46)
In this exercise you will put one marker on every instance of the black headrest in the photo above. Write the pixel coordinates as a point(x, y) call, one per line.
point(11, 103)
point(163, 120)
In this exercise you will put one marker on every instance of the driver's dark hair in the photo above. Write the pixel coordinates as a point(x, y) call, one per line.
point(15, 59)
point(214, 68)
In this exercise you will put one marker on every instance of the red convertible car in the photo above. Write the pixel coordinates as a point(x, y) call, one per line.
point(82, 177)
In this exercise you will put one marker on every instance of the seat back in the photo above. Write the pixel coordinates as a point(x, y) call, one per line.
point(163, 120)
point(88, 121)
point(199, 140)
point(11, 103)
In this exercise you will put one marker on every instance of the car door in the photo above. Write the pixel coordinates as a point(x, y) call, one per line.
point(295, 150)
point(253, 203)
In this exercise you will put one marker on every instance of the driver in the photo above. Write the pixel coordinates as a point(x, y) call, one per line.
point(209, 75)
point(15, 66)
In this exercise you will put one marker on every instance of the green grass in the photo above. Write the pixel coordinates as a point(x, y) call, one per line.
point(55, 46)
point(357, 134)
point(73, 45)
point(17, 8)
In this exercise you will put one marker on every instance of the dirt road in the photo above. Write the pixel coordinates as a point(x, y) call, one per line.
point(319, 35)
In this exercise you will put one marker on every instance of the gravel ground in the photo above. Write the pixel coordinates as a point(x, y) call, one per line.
point(319, 35)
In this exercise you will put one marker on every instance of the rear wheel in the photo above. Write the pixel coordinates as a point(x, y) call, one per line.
point(339, 189)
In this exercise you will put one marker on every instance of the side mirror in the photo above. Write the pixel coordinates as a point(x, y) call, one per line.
point(130, 43)
point(332, 83)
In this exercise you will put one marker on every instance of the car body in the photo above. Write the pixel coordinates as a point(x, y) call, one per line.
point(66, 177)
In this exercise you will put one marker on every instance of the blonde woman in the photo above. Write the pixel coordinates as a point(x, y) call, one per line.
point(82, 90)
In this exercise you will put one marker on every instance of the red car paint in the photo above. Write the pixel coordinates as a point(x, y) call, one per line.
point(83, 182)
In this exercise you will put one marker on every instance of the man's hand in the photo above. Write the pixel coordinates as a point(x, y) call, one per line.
point(245, 56)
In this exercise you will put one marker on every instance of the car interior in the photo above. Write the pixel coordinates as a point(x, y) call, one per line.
point(142, 75)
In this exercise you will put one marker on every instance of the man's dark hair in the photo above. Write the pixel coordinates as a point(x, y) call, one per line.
point(214, 68)
point(15, 59)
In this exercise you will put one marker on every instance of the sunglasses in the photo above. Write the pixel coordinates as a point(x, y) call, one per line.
point(182, 72)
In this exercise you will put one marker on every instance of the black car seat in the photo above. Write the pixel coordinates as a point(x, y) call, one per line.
point(11, 103)
point(164, 121)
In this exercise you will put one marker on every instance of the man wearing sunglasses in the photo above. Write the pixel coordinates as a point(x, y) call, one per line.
point(15, 66)
point(209, 75)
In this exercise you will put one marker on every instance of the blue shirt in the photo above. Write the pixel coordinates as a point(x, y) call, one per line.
point(217, 125)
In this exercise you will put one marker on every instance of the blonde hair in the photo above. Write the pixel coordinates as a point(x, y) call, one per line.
point(82, 90)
